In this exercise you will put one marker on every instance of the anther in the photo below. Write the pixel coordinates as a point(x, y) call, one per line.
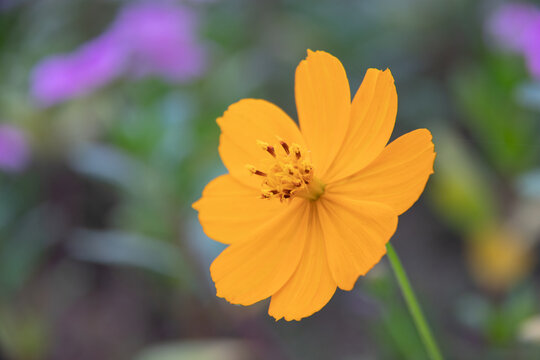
point(266, 147)
point(253, 170)
point(296, 150)
point(266, 194)
point(289, 169)
point(285, 146)
point(271, 150)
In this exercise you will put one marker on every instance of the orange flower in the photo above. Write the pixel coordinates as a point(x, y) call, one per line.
point(306, 211)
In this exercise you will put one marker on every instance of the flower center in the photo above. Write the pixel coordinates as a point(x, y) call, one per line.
point(288, 173)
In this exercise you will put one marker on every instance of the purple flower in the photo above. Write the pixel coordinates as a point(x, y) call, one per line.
point(510, 24)
point(62, 77)
point(162, 40)
point(14, 150)
point(531, 49)
point(516, 27)
point(147, 38)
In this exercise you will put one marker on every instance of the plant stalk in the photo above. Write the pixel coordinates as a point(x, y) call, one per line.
point(412, 304)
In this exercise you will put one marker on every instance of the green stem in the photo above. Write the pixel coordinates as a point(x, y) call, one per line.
point(412, 304)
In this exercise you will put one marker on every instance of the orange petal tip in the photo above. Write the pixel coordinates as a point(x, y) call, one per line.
point(195, 205)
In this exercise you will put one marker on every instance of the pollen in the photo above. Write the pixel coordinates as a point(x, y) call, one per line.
point(287, 173)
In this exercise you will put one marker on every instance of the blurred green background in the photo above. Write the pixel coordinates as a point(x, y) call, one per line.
point(102, 257)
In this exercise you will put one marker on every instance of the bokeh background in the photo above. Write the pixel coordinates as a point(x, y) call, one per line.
point(108, 134)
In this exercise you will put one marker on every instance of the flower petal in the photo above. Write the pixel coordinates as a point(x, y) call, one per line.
point(254, 269)
point(323, 101)
point(230, 211)
point(397, 177)
point(373, 115)
point(356, 233)
point(312, 285)
point(242, 125)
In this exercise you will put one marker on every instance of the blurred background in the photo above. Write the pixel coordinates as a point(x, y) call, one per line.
point(108, 134)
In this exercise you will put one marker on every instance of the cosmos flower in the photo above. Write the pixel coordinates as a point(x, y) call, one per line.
point(308, 210)
point(14, 149)
point(147, 38)
point(516, 27)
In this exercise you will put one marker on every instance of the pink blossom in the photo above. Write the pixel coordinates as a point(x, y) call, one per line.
point(14, 150)
point(146, 39)
point(516, 27)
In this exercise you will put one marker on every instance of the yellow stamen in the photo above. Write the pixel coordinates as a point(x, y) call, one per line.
point(295, 148)
point(266, 147)
point(254, 171)
point(289, 174)
point(285, 146)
